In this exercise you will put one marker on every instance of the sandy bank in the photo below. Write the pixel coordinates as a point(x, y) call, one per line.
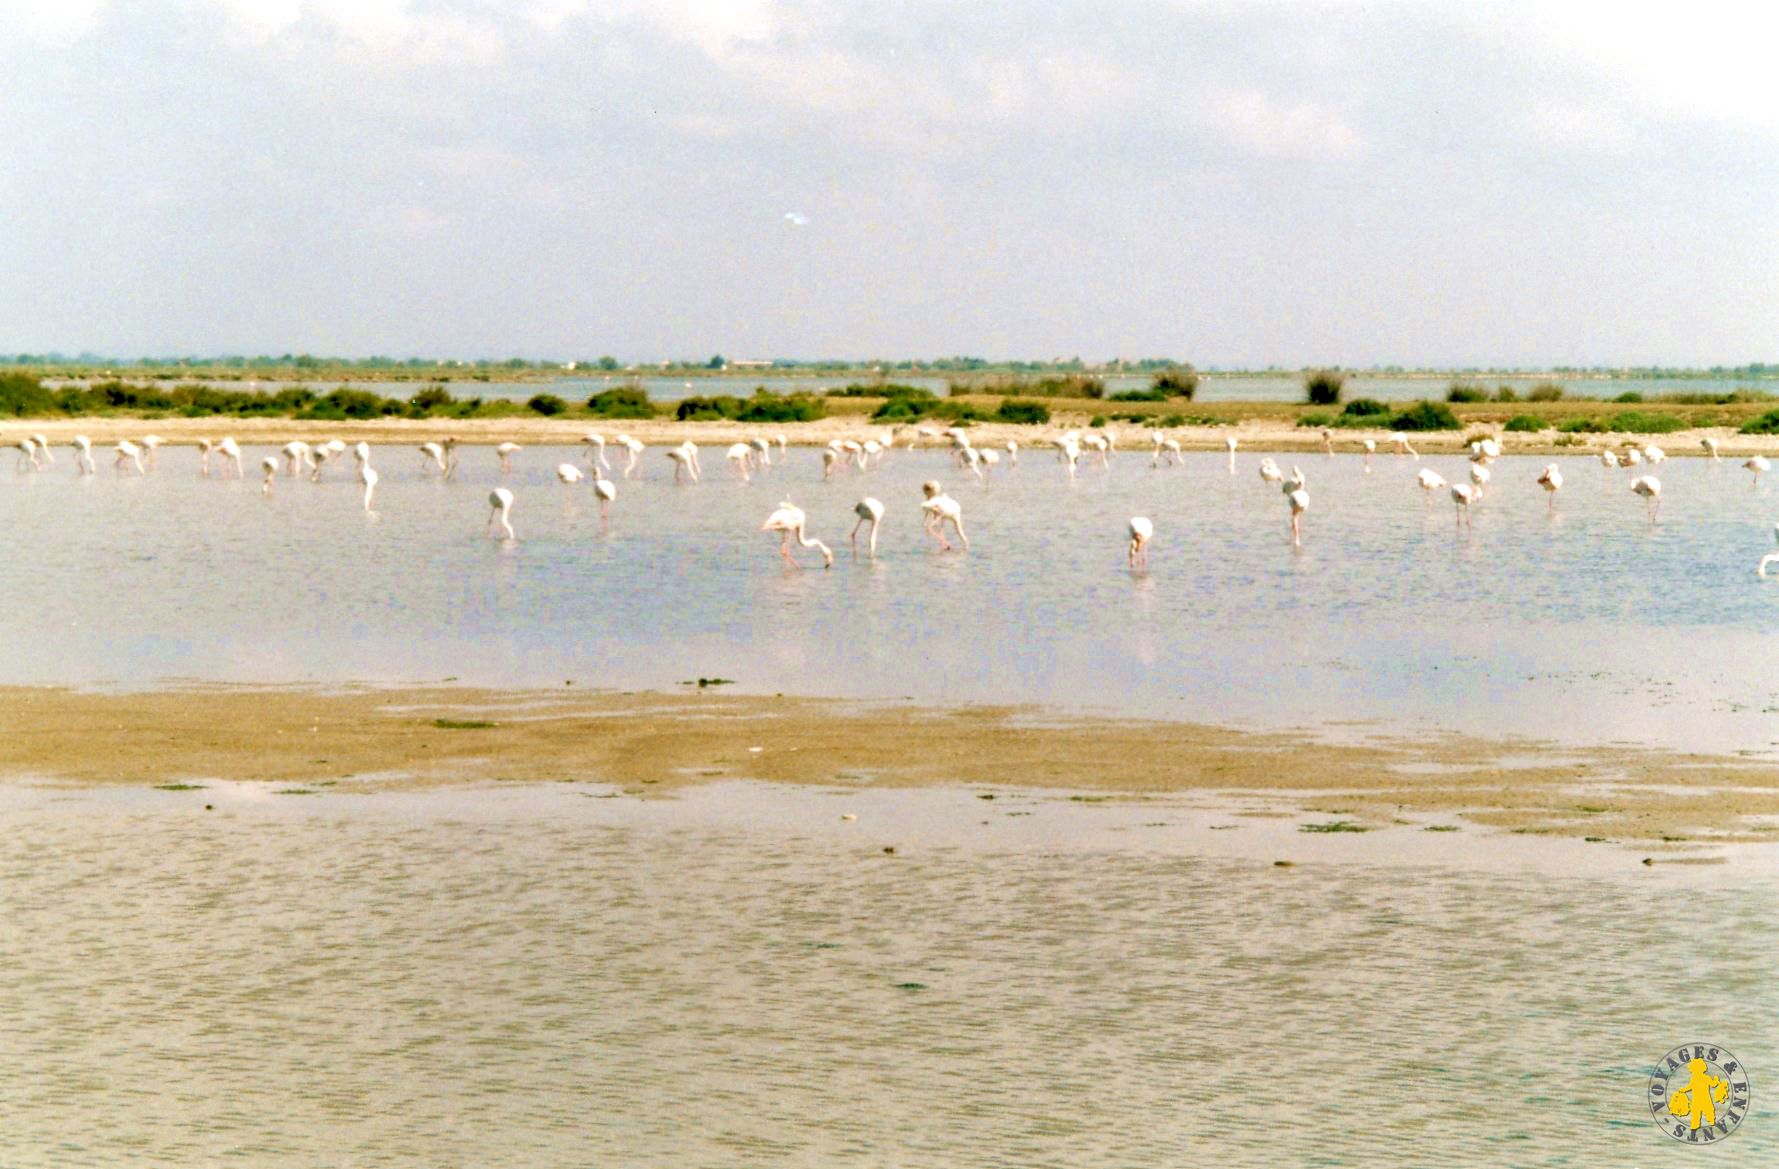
point(409, 738)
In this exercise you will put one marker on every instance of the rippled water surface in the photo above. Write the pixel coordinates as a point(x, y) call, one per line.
point(571, 977)
point(1588, 625)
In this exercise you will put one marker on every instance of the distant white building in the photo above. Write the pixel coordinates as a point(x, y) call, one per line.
point(749, 363)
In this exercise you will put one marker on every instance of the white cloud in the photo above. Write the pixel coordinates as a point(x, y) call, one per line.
point(1258, 122)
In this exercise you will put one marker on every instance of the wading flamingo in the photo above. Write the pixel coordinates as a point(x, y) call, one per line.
point(1757, 464)
point(1462, 496)
point(368, 476)
point(1771, 557)
point(1269, 471)
point(44, 457)
point(596, 448)
point(1403, 447)
point(605, 491)
point(1650, 488)
point(1479, 478)
point(788, 520)
point(128, 452)
point(270, 466)
point(506, 451)
point(83, 455)
point(1710, 445)
point(151, 449)
point(634, 448)
point(569, 473)
point(1370, 450)
point(1231, 444)
point(1141, 532)
point(500, 507)
point(1298, 495)
point(1552, 481)
point(869, 511)
point(941, 509)
point(740, 455)
point(1429, 481)
point(231, 456)
point(434, 454)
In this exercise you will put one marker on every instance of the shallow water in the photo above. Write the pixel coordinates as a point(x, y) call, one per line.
point(1586, 627)
point(568, 976)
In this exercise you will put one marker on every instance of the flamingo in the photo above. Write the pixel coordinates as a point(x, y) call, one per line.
point(27, 460)
point(1100, 445)
point(1328, 442)
point(83, 455)
point(1231, 444)
point(1297, 493)
point(270, 466)
point(128, 451)
point(1552, 481)
point(151, 446)
point(740, 455)
point(1141, 532)
point(43, 452)
point(318, 458)
point(433, 453)
point(1269, 471)
point(1769, 558)
point(990, 460)
point(635, 449)
point(596, 448)
point(368, 476)
point(605, 492)
point(1403, 447)
point(1430, 481)
point(1650, 488)
point(1069, 450)
point(1370, 450)
point(296, 453)
point(205, 446)
point(941, 509)
point(1710, 445)
point(1012, 453)
point(506, 451)
point(682, 461)
point(500, 506)
point(1463, 495)
point(1608, 460)
point(449, 442)
point(764, 448)
point(1757, 464)
point(1479, 476)
point(1654, 454)
point(569, 473)
point(972, 461)
point(1632, 456)
point(830, 458)
point(789, 521)
point(231, 455)
point(869, 511)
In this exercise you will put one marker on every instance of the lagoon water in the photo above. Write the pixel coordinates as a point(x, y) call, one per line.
point(1588, 626)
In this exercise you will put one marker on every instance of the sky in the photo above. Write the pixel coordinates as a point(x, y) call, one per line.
point(1230, 184)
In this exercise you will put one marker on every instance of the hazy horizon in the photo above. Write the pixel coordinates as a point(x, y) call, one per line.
point(1236, 185)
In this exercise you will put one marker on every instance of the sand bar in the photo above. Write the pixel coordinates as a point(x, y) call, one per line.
point(407, 738)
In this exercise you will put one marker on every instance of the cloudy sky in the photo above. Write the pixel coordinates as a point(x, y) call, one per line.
point(1233, 184)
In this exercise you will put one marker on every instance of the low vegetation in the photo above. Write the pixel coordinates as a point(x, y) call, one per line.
point(1323, 387)
point(1426, 416)
point(763, 406)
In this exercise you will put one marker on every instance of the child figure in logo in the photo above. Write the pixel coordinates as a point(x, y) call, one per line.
point(1699, 1099)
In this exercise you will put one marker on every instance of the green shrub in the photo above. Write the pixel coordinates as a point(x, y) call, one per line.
point(906, 404)
point(1149, 395)
point(1175, 383)
point(1582, 426)
point(1364, 408)
point(1545, 392)
point(22, 394)
point(1767, 423)
point(766, 406)
point(1629, 396)
point(549, 405)
point(1167, 421)
point(1072, 385)
point(1525, 423)
point(712, 409)
point(621, 402)
point(1323, 387)
point(1641, 422)
point(1097, 420)
point(874, 390)
point(1426, 416)
point(1314, 419)
point(1466, 392)
point(1506, 394)
point(1030, 413)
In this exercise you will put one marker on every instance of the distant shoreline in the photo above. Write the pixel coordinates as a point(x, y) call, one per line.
point(1268, 427)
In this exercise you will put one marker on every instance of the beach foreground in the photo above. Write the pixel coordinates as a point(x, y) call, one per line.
point(564, 975)
point(375, 739)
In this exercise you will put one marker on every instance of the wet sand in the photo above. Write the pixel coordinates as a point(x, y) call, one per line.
point(1273, 429)
point(1662, 803)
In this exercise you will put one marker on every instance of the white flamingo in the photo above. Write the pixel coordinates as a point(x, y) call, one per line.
point(47, 456)
point(434, 454)
point(740, 455)
point(789, 521)
point(1479, 478)
point(1231, 444)
point(1757, 464)
point(128, 452)
point(605, 491)
point(1654, 454)
point(1771, 557)
point(869, 511)
point(596, 448)
point(500, 507)
point(1650, 488)
point(506, 451)
point(83, 455)
point(1710, 445)
point(368, 476)
point(270, 466)
point(830, 460)
point(1463, 495)
point(634, 448)
point(1269, 471)
point(151, 450)
point(1403, 447)
point(1141, 532)
point(1551, 479)
point(569, 473)
point(231, 456)
point(941, 509)
point(1429, 481)
point(1608, 459)
point(1298, 495)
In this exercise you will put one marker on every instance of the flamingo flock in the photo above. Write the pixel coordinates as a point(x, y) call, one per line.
point(941, 513)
